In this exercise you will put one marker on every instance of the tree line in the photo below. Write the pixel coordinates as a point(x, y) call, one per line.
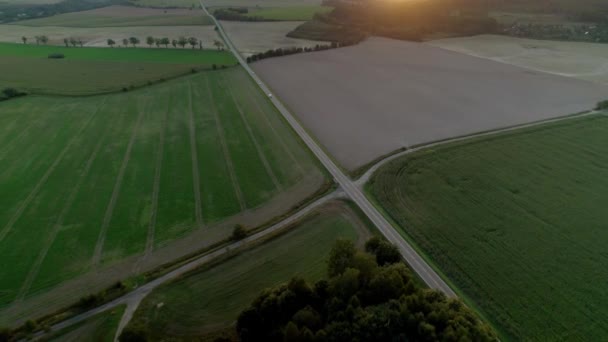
point(368, 296)
point(294, 50)
point(133, 41)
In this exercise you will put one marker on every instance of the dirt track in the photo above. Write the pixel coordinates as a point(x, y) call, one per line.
point(365, 101)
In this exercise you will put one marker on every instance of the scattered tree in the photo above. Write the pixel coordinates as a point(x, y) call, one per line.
point(44, 39)
point(80, 42)
point(200, 44)
point(73, 41)
point(24, 39)
point(219, 45)
point(125, 42)
point(157, 42)
point(111, 43)
point(174, 43)
point(66, 42)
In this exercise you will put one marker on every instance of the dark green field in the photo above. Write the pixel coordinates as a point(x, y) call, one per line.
point(518, 222)
point(212, 299)
point(88, 181)
point(291, 13)
point(96, 70)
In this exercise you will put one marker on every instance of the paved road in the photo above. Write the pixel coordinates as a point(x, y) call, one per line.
point(370, 172)
point(416, 262)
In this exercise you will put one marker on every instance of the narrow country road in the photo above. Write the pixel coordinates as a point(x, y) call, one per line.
point(416, 262)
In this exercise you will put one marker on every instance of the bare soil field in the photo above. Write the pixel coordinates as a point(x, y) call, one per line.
point(368, 100)
point(98, 36)
point(587, 61)
point(254, 37)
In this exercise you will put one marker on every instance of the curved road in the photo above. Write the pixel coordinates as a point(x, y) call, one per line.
point(416, 262)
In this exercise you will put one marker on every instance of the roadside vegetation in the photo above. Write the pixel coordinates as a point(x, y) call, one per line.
point(162, 162)
point(99, 328)
point(207, 302)
point(516, 221)
point(368, 296)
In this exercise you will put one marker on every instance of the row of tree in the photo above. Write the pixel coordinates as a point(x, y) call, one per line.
point(293, 50)
point(158, 42)
point(39, 39)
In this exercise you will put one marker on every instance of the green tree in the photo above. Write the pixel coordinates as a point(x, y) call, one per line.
point(182, 41)
point(134, 41)
point(292, 333)
point(193, 42)
point(73, 41)
point(66, 42)
point(340, 257)
point(44, 39)
point(111, 43)
point(218, 44)
point(174, 43)
point(150, 41)
point(125, 42)
point(24, 39)
point(165, 41)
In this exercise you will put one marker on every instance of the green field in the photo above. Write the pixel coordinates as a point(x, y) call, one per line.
point(88, 181)
point(518, 223)
point(99, 328)
point(293, 13)
point(96, 70)
point(212, 299)
point(77, 19)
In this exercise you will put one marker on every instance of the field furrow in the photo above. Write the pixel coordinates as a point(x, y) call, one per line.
point(196, 182)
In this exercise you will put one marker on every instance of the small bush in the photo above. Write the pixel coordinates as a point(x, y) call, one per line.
point(602, 105)
point(56, 56)
point(239, 232)
point(8, 93)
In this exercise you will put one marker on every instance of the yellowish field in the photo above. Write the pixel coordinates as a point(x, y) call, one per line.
point(587, 61)
point(98, 36)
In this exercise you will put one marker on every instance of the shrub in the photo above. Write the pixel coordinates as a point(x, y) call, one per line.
point(239, 232)
point(602, 105)
point(8, 93)
point(56, 56)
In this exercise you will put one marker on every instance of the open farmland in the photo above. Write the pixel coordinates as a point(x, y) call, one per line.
point(259, 3)
point(517, 222)
point(100, 179)
point(114, 16)
point(98, 36)
point(212, 298)
point(404, 94)
point(96, 70)
point(167, 3)
point(587, 61)
point(255, 37)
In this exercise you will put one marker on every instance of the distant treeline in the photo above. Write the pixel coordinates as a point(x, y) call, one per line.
point(14, 12)
point(236, 14)
point(294, 50)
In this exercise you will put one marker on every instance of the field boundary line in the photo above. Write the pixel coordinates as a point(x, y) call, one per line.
point(156, 185)
point(366, 176)
point(9, 226)
point(261, 154)
point(272, 128)
point(33, 273)
point(196, 181)
point(115, 192)
point(226, 152)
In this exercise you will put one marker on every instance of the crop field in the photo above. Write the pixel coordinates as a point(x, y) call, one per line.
point(261, 3)
point(166, 3)
point(254, 37)
point(405, 94)
point(114, 16)
point(212, 298)
point(95, 70)
point(517, 222)
point(587, 61)
point(89, 181)
point(98, 36)
point(292, 13)
point(99, 328)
